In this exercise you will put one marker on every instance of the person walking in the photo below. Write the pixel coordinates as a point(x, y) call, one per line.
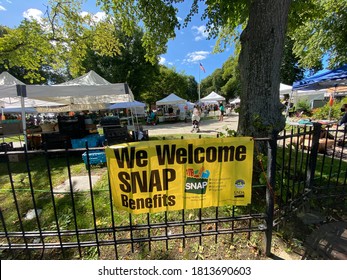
point(222, 110)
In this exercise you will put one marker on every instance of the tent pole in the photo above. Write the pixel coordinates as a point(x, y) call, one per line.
point(2, 113)
point(137, 122)
point(132, 118)
point(21, 91)
point(288, 105)
point(24, 123)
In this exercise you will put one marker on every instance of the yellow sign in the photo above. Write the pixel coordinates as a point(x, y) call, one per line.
point(156, 176)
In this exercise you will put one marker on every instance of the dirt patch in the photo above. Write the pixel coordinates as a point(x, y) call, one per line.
point(79, 183)
point(224, 249)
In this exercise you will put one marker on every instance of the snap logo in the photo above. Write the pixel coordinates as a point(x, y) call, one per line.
point(197, 181)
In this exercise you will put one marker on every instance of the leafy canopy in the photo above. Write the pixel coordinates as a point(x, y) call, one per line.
point(319, 33)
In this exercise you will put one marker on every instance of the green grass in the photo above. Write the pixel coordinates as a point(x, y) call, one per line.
point(14, 139)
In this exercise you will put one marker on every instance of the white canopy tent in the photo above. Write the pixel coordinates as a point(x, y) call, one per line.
point(83, 91)
point(171, 99)
point(174, 100)
point(73, 108)
point(212, 97)
point(308, 95)
point(187, 106)
point(285, 89)
point(132, 104)
point(13, 102)
point(136, 107)
point(14, 105)
point(7, 80)
point(87, 89)
point(88, 92)
point(302, 95)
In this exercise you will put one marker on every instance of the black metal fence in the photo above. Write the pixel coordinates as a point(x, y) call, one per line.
point(40, 220)
point(313, 170)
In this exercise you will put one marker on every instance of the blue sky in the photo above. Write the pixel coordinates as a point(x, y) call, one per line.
point(185, 52)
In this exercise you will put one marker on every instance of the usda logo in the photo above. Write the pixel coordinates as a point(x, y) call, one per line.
point(240, 184)
point(239, 193)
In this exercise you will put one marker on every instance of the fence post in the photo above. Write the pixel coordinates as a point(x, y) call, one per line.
point(270, 196)
point(313, 155)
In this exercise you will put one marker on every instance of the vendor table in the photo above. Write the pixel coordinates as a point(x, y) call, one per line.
point(324, 142)
point(310, 123)
point(170, 118)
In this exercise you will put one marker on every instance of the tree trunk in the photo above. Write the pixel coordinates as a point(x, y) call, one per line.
point(262, 44)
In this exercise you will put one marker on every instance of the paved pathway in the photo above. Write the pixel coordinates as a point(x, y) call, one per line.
point(207, 126)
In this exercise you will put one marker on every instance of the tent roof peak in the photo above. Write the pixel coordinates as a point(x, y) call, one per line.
point(6, 79)
point(90, 78)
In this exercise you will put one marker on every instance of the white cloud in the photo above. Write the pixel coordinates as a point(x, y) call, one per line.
point(162, 60)
point(8, 1)
point(84, 14)
point(33, 14)
point(200, 32)
point(95, 18)
point(99, 16)
point(2, 8)
point(196, 56)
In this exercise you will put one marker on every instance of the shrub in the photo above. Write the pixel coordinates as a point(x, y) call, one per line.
point(326, 112)
point(303, 106)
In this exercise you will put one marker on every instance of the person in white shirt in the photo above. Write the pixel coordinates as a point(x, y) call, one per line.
point(196, 118)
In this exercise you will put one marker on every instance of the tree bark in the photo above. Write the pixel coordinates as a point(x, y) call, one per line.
point(262, 43)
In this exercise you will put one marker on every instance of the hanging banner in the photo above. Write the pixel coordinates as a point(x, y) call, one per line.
point(157, 176)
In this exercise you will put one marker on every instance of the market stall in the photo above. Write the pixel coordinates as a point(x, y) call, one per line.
point(213, 97)
point(168, 108)
point(85, 92)
point(137, 110)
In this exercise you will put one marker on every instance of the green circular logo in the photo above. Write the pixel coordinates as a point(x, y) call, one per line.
point(239, 183)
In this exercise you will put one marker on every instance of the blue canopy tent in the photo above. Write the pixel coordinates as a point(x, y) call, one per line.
point(9, 110)
point(323, 80)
